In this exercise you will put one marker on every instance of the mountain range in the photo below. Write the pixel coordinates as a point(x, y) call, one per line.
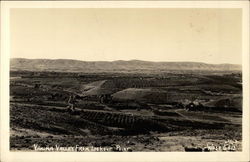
point(66, 65)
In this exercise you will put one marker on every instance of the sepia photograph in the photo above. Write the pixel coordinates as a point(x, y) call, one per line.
point(126, 79)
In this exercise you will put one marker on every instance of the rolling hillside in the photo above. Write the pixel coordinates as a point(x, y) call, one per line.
point(63, 65)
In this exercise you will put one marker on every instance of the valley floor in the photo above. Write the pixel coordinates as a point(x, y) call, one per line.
point(125, 112)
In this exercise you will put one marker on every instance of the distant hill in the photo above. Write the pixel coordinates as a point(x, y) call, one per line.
point(65, 65)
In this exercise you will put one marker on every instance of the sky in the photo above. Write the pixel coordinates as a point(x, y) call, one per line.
point(108, 34)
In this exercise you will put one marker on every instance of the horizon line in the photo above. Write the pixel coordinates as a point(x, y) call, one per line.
point(125, 60)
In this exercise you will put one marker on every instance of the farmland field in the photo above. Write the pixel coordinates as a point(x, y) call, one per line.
point(165, 111)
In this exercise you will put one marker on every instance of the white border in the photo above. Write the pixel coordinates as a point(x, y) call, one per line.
point(6, 155)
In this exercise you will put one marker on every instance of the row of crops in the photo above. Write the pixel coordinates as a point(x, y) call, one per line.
point(129, 122)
